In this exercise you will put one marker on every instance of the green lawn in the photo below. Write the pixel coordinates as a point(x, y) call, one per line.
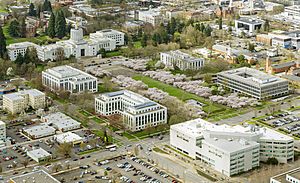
point(183, 95)
point(85, 113)
point(156, 149)
point(113, 53)
point(98, 120)
point(128, 135)
point(2, 10)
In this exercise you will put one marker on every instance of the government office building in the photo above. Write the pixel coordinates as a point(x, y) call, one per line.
point(69, 79)
point(230, 149)
point(253, 83)
point(138, 112)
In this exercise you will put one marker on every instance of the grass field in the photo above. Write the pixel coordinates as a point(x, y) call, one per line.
point(181, 94)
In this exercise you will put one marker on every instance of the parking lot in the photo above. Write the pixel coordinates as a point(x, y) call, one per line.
point(285, 121)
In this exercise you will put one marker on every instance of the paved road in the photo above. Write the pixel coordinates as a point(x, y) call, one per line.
point(247, 116)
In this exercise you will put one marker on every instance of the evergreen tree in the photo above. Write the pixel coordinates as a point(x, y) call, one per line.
point(31, 11)
point(20, 59)
point(22, 29)
point(3, 50)
point(26, 57)
point(51, 26)
point(47, 6)
point(198, 27)
point(144, 40)
point(267, 26)
point(220, 22)
point(60, 25)
point(207, 31)
point(13, 28)
point(202, 27)
point(102, 51)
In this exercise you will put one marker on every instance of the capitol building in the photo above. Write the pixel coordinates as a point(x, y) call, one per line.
point(77, 46)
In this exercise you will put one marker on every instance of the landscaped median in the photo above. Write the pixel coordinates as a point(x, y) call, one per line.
point(91, 116)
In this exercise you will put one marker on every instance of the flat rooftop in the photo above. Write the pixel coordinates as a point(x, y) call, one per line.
point(251, 76)
point(250, 20)
point(230, 145)
point(39, 130)
point(198, 127)
point(138, 101)
point(38, 153)
point(67, 137)
point(60, 120)
point(282, 177)
point(184, 56)
point(18, 95)
point(66, 71)
point(39, 176)
point(21, 45)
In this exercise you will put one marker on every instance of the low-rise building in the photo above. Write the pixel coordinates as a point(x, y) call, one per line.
point(39, 155)
point(68, 137)
point(39, 131)
point(181, 60)
point(248, 25)
point(110, 34)
point(61, 122)
point(22, 100)
point(138, 112)
point(19, 48)
point(254, 83)
point(69, 79)
point(230, 149)
point(291, 176)
point(151, 16)
point(85, 9)
point(35, 176)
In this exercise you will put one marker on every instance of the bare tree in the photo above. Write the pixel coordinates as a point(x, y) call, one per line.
point(25, 163)
point(65, 149)
point(56, 167)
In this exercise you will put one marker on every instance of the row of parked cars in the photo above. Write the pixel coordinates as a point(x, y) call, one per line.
point(292, 128)
point(280, 115)
point(286, 120)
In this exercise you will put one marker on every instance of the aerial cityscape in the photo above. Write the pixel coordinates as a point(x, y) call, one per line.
point(154, 91)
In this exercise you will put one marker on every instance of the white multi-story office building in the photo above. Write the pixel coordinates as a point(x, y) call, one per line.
point(76, 46)
point(248, 25)
point(182, 60)
point(152, 16)
point(19, 48)
point(138, 112)
point(22, 100)
point(292, 12)
point(254, 83)
point(69, 79)
point(230, 149)
point(2, 133)
point(110, 34)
